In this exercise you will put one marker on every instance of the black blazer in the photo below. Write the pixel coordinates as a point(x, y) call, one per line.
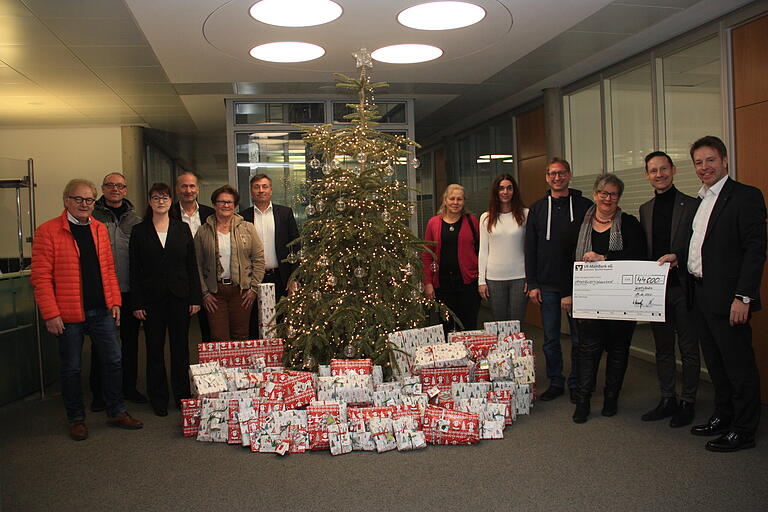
point(286, 231)
point(733, 253)
point(157, 271)
point(682, 227)
point(205, 212)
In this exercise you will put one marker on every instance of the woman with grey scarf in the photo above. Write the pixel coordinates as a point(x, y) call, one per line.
point(606, 233)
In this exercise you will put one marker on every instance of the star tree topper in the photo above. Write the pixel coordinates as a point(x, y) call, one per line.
point(363, 58)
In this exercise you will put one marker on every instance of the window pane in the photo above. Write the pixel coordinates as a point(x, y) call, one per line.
point(279, 113)
point(631, 118)
point(584, 140)
point(391, 113)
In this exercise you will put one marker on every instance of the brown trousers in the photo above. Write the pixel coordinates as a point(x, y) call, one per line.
point(230, 320)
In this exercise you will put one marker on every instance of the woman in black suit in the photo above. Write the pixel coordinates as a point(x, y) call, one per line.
point(165, 289)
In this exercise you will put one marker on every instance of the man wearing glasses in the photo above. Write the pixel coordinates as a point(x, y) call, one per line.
point(116, 212)
point(77, 292)
point(548, 222)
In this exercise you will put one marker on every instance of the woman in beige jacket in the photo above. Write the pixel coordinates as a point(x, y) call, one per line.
point(230, 258)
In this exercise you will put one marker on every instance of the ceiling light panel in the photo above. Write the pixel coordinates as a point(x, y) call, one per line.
point(295, 13)
point(406, 53)
point(441, 15)
point(287, 51)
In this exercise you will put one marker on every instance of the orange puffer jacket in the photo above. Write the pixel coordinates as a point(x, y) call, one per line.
point(56, 270)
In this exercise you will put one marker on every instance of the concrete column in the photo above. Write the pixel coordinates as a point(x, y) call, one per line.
point(553, 123)
point(133, 166)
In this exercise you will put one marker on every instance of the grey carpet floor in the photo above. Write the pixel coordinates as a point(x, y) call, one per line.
point(545, 462)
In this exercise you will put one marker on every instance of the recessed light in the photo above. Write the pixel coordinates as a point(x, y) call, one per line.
point(441, 15)
point(287, 51)
point(406, 53)
point(495, 156)
point(483, 161)
point(508, 161)
point(295, 13)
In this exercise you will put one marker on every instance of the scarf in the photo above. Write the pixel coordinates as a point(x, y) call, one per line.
point(584, 244)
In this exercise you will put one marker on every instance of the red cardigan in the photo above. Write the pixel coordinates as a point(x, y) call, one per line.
point(467, 254)
point(56, 270)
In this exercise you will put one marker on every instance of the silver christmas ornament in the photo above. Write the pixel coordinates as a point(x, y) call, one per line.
point(314, 163)
point(309, 210)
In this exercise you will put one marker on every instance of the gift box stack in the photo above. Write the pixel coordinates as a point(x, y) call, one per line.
point(265, 301)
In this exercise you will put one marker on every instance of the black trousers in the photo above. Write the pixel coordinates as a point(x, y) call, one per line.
point(129, 347)
point(460, 298)
point(172, 316)
point(731, 363)
point(678, 323)
point(272, 276)
point(596, 336)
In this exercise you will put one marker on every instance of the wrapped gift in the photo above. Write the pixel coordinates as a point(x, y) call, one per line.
point(233, 423)
point(406, 342)
point(445, 426)
point(351, 367)
point(320, 415)
point(500, 366)
point(492, 429)
point(364, 414)
point(207, 379)
point(419, 401)
point(410, 440)
point(480, 372)
point(239, 394)
point(470, 389)
point(242, 353)
point(411, 385)
point(503, 397)
point(213, 420)
point(413, 412)
point(362, 441)
point(248, 413)
point(524, 370)
point(443, 377)
point(522, 399)
point(457, 336)
point(444, 355)
point(254, 434)
point(269, 443)
point(387, 397)
point(378, 375)
point(338, 438)
point(299, 440)
point(393, 387)
point(296, 389)
point(403, 423)
point(190, 416)
point(383, 434)
point(445, 401)
point(324, 370)
point(239, 379)
point(352, 389)
point(257, 363)
point(265, 302)
point(504, 328)
point(479, 345)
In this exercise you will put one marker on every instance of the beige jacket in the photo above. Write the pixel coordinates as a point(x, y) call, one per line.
point(246, 264)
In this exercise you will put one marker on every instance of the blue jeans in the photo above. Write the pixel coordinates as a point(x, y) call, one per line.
point(101, 328)
point(550, 319)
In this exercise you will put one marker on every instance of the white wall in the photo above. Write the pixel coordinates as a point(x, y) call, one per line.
point(59, 154)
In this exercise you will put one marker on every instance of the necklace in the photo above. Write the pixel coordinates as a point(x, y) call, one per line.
point(603, 221)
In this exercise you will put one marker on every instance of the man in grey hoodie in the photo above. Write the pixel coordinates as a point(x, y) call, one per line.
point(548, 222)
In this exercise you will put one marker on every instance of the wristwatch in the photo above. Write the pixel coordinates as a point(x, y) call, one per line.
point(744, 299)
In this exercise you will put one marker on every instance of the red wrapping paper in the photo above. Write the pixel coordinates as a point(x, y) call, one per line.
point(444, 426)
point(237, 353)
point(190, 416)
point(351, 366)
point(443, 377)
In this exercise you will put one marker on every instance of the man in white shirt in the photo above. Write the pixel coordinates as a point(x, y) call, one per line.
point(725, 259)
point(277, 228)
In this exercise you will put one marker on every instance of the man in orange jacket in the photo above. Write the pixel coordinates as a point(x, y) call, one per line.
point(76, 289)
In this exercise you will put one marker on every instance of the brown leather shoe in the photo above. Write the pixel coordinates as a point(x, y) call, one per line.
point(124, 420)
point(78, 431)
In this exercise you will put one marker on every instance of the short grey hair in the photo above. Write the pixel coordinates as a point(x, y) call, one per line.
point(113, 173)
point(77, 182)
point(608, 179)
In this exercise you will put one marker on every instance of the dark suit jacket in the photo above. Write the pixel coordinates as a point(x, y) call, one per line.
point(157, 271)
point(733, 253)
point(286, 231)
point(205, 212)
point(682, 227)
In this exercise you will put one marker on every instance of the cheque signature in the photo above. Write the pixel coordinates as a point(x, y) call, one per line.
point(641, 302)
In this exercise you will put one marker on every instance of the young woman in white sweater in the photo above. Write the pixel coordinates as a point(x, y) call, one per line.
point(501, 260)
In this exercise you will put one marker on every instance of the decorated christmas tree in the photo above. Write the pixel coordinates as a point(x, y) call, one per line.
point(359, 268)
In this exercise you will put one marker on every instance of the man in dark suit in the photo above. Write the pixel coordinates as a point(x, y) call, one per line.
point(666, 220)
point(726, 258)
point(277, 228)
point(189, 211)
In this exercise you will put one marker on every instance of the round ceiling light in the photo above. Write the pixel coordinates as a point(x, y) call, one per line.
point(441, 15)
point(295, 13)
point(287, 51)
point(406, 53)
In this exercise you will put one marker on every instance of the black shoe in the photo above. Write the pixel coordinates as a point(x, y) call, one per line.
point(714, 427)
point(731, 442)
point(98, 405)
point(666, 408)
point(551, 393)
point(684, 414)
point(610, 405)
point(574, 392)
point(160, 411)
point(581, 413)
point(135, 397)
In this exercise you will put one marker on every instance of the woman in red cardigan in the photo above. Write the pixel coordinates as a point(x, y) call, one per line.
point(450, 263)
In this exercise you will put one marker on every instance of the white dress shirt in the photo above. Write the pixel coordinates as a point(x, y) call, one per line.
point(700, 222)
point(193, 220)
point(265, 226)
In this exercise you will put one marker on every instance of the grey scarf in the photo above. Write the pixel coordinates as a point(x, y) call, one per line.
point(584, 244)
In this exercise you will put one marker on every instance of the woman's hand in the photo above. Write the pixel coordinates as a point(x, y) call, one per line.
point(593, 256)
point(141, 314)
point(248, 297)
point(193, 309)
point(566, 304)
point(535, 295)
point(209, 303)
point(483, 291)
point(429, 291)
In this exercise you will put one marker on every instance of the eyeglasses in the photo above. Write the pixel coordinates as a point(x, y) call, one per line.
point(80, 200)
point(613, 196)
point(224, 203)
point(558, 174)
point(509, 188)
point(160, 199)
point(118, 186)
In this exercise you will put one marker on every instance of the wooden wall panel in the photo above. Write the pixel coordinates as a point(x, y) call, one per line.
point(531, 141)
point(750, 63)
point(530, 175)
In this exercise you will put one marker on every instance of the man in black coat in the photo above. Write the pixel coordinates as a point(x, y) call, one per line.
point(277, 228)
point(189, 211)
point(726, 258)
point(667, 220)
